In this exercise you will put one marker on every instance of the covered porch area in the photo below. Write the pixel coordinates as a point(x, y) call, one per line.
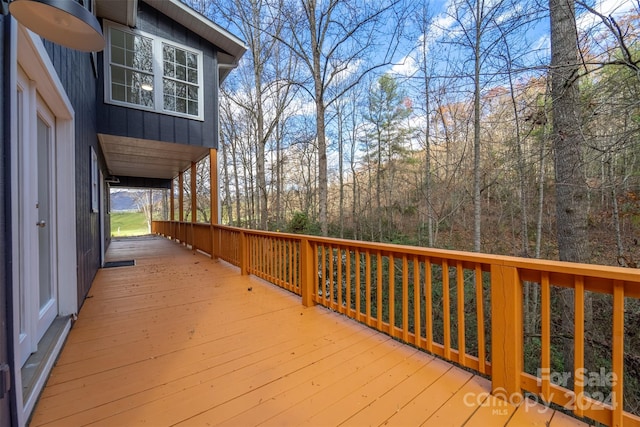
point(183, 339)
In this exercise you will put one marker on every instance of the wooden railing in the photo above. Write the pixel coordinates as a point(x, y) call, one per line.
point(464, 307)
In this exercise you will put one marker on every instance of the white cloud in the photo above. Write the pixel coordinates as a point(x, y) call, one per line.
point(609, 7)
point(407, 67)
point(615, 8)
point(440, 28)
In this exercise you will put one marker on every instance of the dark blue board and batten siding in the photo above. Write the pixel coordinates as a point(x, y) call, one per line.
point(75, 71)
point(6, 91)
point(134, 123)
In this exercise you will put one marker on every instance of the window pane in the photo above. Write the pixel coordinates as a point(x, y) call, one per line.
point(117, 92)
point(144, 54)
point(169, 103)
point(193, 108)
point(117, 75)
point(193, 93)
point(117, 55)
point(192, 76)
point(132, 96)
point(169, 69)
point(142, 61)
point(181, 72)
point(181, 105)
point(181, 90)
point(128, 58)
point(181, 57)
point(169, 87)
point(129, 41)
point(192, 60)
point(147, 83)
point(168, 53)
point(146, 98)
point(117, 38)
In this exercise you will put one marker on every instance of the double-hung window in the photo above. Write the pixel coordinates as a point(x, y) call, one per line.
point(152, 73)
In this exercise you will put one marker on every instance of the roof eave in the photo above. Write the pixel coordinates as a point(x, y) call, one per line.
point(231, 47)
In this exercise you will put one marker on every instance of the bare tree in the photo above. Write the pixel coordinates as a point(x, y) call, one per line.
point(339, 42)
point(481, 28)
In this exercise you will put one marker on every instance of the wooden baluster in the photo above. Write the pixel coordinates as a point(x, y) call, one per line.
point(358, 285)
point(379, 290)
point(392, 295)
point(480, 320)
point(546, 336)
point(339, 279)
point(462, 352)
point(417, 325)
point(617, 357)
point(428, 297)
point(578, 346)
point(367, 286)
point(347, 252)
point(405, 298)
point(446, 309)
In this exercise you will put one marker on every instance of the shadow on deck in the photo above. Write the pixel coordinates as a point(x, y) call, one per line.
point(179, 339)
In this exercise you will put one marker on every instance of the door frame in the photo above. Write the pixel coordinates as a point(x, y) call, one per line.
point(28, 50)
point(46, 315)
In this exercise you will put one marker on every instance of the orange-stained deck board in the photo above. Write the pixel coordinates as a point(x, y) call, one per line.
point(179, 339)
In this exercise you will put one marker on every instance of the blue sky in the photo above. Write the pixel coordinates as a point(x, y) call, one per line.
point(537, 37)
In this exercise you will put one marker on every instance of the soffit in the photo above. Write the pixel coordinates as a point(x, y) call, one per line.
point(121, 11)
point(147, 158)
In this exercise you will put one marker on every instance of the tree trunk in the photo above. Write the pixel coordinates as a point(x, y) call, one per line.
point(477, 201)
point(571, 194)
point(226, 180)
point(339, 113)
point(320, 122)
point(571, 206)
point(279, 178)
point(616, 210)
point(256, 51)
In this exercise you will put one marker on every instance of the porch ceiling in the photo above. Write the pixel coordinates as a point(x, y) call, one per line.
point(146, 158)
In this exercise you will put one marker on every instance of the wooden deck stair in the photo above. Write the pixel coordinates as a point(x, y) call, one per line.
point(179, 339)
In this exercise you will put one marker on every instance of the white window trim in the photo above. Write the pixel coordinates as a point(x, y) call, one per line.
point(157, 73)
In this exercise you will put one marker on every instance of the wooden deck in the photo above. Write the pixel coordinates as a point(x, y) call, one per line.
point(179, 339)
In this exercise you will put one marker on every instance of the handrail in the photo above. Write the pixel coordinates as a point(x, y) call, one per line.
point(479, 296)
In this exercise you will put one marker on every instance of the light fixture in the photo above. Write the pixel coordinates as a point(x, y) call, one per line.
point(63, 22)
point(146, 86)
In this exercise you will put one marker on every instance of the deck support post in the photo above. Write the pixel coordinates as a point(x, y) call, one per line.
point(172, 207)
point(244, 253)
point(172, 211)
point(181, 232)
point(307, 268)
point(194, 205)
point(213, 197)
point(506, 332)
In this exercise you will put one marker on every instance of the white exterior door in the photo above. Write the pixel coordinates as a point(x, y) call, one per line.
point(47, 278)
point(36, 167)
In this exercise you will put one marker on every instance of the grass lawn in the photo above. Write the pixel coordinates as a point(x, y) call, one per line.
point(128, 224)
